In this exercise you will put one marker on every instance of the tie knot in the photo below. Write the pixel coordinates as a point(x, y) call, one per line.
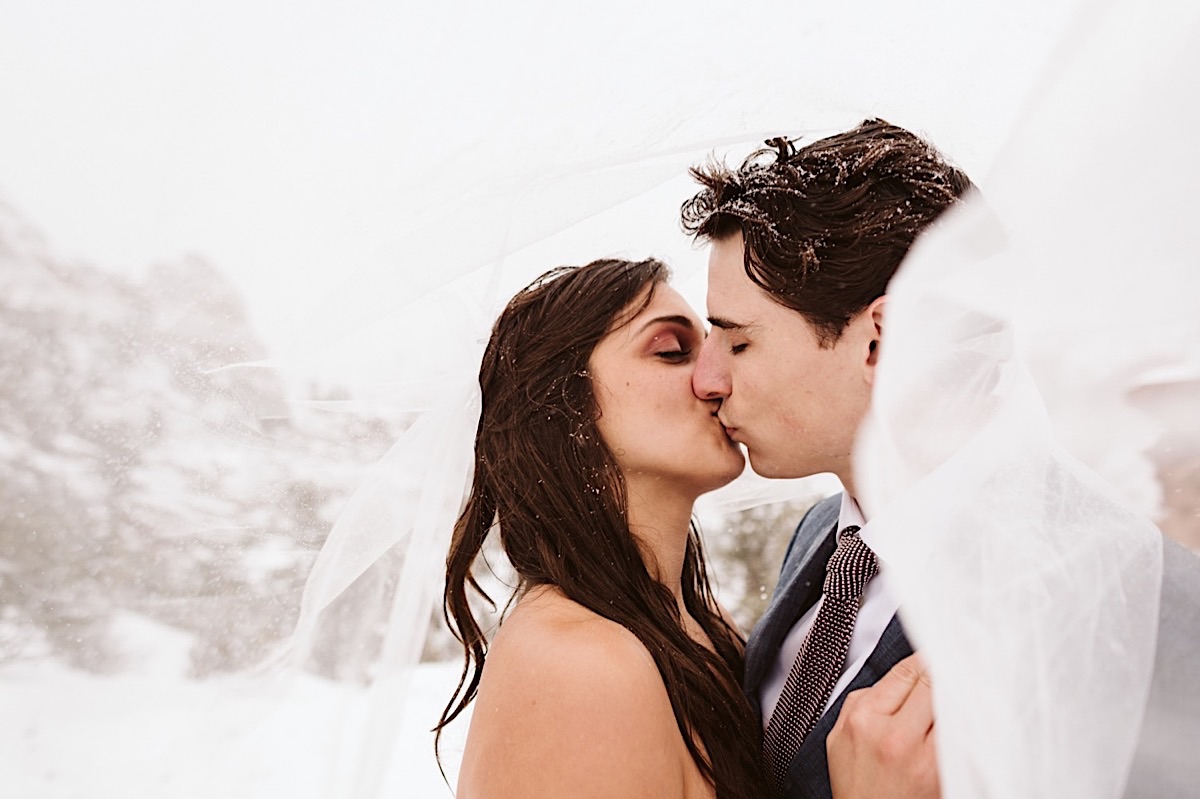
point(852, 565)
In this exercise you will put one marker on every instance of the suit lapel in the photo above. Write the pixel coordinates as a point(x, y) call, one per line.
point(808, 774)
point(893, 647)
point(799, 587)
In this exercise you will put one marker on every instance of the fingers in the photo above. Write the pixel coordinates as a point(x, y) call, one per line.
point(882, 744)
point(916, 711)
point(893, 689)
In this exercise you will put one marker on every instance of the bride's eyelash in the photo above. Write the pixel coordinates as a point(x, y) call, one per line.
point(674, 355)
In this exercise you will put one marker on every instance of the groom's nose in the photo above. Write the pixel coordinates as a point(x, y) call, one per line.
point(710, 378)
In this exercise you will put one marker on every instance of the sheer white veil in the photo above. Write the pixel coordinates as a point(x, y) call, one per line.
point(1021, 540)
point(1037, 345)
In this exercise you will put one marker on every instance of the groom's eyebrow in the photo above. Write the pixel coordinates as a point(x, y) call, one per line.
point(725, 324)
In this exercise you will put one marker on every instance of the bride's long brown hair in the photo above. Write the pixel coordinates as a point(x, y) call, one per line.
point(545, 477)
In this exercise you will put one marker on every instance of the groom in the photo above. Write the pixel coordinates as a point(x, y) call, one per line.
point(804, 243)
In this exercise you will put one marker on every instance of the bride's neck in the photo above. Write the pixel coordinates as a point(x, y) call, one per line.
point(660, 521)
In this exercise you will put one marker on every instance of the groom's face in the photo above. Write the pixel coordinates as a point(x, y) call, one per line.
point(792, 402)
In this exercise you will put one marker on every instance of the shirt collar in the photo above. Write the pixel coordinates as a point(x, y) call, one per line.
point(850, 514)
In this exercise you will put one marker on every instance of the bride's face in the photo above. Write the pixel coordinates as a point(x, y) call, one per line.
point(661, 433)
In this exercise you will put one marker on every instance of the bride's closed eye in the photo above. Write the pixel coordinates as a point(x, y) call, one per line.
point(672, 347)
point(674, 355)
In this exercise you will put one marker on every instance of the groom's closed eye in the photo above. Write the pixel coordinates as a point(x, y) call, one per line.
point(735, 344)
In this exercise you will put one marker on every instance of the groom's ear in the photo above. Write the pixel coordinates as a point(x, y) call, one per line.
point(874, 313)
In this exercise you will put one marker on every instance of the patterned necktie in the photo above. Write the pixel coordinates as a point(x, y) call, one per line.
point(822, 654)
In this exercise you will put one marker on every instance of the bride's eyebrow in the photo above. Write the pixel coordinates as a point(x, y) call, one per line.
point(682, 321)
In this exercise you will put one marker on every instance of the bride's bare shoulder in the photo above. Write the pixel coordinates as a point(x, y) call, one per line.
point(545, 615)
point(575, 653)
point(570, 703)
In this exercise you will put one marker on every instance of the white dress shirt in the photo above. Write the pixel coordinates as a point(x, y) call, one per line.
point(878, 606)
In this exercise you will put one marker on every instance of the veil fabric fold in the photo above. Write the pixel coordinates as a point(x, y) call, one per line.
point(1007, 453)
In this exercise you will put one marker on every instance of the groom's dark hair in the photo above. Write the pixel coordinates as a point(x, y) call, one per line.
point(826, 226)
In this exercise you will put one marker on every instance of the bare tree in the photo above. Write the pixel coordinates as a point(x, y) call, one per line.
point(745, 552)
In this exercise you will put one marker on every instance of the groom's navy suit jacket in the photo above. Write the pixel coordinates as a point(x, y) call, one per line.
point(1173, 704)
point(798, 589)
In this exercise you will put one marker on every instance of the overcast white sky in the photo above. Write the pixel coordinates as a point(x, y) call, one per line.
point(296, 144)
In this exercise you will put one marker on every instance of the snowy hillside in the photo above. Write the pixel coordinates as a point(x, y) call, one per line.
point(140, 476)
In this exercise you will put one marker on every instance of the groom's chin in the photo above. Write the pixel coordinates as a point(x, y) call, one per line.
point(766, 466)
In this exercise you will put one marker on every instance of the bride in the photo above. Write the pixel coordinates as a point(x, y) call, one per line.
point(616, 672)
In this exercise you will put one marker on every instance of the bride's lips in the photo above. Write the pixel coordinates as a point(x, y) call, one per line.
point(729, 431)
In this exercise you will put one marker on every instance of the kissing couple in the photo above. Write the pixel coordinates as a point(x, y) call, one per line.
point(607, 410)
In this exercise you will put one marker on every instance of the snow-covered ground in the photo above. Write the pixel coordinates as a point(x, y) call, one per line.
point(70, 735)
